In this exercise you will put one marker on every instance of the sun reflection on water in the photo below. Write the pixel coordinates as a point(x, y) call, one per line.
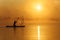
point(38, 32)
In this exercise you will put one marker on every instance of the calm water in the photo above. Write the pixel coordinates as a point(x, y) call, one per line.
point(30, 32)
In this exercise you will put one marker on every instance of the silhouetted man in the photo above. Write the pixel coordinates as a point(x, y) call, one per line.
point(15, 21)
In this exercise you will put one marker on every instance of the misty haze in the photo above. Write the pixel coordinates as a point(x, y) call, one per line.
point(30, 19)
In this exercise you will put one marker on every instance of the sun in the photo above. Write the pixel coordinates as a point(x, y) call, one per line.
point(34, 8)
point(38, 7)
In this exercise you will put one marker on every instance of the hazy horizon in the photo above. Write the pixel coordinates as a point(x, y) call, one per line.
point(25, 8)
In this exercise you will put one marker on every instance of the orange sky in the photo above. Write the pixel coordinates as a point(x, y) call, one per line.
point(25, 7)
